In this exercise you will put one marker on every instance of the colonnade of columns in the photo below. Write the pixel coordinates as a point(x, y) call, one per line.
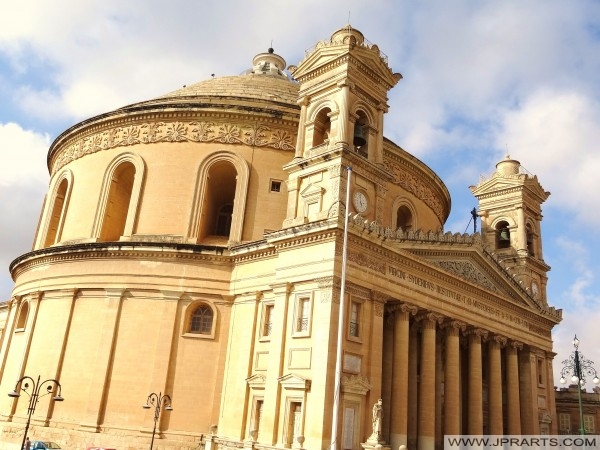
point(450, 378)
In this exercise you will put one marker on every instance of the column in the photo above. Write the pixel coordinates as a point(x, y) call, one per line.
point(475, 397)
point(386, 374)
point(495, 385)
point(413, 403)
point(303, 102)
point(452, 378)
point(400, 378)
point(344, 117)
point(522, 232)
point(426, 412)
point(513, 404)
point(528, 395)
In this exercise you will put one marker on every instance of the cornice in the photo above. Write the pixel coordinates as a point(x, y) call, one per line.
point(119, 250)
point(387, 250)
point(171, 126)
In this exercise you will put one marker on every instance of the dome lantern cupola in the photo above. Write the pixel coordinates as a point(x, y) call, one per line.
point(268, 63)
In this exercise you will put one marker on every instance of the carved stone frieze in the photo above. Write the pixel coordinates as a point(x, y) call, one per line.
point(179, 131)
point(415, 185)
point(467, 271)
point(363, 260)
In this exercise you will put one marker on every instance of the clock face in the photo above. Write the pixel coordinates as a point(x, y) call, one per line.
point(360, 201)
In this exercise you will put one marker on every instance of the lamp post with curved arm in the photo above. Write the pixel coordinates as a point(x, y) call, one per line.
point(158, 401)
point(34, 395)
point(578, 367)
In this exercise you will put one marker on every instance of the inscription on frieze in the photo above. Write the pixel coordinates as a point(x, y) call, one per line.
point(471, 303)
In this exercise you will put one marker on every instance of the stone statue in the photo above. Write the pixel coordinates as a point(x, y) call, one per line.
point(377, 416)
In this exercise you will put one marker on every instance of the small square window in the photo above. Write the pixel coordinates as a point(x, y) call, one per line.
point(275, 186)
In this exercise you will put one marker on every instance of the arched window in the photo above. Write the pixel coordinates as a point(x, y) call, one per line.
point(56, 213)
point(404, 218)
point(530, 240)
point(221, 191)
point(117, 205)
point(502, 235)
point(360, 138)
point(119, 198)
point(322, 127)
point(22, 318)
point(201, 320)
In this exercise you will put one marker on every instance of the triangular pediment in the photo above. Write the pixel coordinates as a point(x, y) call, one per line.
point(471, 265)
point(311, 190)
point(293, 381)
point(498, 184)
point(346, 47)
point(256, 381)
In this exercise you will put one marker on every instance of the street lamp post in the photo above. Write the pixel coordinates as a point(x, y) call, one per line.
point(578, 367)
point(158, 401)
point(34, 395)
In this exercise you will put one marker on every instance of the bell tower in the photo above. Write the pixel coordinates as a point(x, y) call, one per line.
point(343, 97)
point(511, 215)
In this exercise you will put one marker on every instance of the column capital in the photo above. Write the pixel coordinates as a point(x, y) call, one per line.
point(454, 325)
point(429, 319)
point(516, 345)
point(401, 307)
point(379, 296)
point(477, 332)
point(498, 340)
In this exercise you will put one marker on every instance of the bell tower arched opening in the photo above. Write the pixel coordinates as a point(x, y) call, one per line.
point(322, 127)
point(360, 138)
point(502, 235)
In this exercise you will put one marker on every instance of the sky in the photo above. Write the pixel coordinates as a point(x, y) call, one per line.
point(482, 79)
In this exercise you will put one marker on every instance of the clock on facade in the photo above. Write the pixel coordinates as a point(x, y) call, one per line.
point(360, 201)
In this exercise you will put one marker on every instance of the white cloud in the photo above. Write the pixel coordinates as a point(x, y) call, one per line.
point(558, 131)
point(23, 156)
point(23, 182)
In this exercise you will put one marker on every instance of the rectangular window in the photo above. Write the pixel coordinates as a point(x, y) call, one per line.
point(564, 422)
point(303, 315)
point(355, 319)
point(294, 423)
point(589, 424)
point(268, 323)
point(258, 409)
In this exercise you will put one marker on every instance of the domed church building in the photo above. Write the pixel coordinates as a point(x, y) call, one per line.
point(254, 248)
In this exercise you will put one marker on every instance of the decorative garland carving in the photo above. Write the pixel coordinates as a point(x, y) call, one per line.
point(467, 271)
point(416, 186)
point(182, 131)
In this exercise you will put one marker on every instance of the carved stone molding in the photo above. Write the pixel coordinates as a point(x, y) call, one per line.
point(467, 271)
point(179, 131)
point(416, 186)
point(356, 384)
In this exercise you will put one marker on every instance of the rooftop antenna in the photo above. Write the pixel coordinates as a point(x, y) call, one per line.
point(348, 17)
